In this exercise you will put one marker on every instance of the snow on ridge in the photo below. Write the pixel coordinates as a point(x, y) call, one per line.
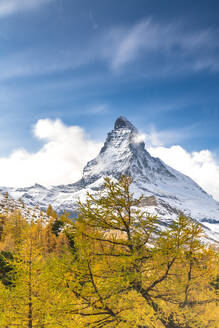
point(121, 154)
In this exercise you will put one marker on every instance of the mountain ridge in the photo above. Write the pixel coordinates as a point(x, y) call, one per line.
point(124, 153)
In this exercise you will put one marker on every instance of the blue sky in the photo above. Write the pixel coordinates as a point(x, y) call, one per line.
point(88, 62)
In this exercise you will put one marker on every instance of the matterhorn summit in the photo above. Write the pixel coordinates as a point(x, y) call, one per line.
point(122, 153)
point(167, 192)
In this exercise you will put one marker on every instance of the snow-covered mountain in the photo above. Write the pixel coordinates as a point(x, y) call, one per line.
point(166, 191)
point(8, 205)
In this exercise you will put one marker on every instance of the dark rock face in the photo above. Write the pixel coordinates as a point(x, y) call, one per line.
point(123, 123)
point(148, 201)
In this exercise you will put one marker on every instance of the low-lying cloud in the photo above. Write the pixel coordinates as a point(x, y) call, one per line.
point(60, 160)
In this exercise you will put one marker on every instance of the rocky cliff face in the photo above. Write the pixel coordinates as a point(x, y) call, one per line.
point(123, 153)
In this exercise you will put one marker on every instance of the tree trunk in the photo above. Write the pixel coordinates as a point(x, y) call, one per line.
point(30, 309)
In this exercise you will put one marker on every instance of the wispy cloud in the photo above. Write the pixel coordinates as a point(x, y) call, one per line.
point(154, 50)
point(128, 44)
point(39, 61)
point(98, 109)
point(92, 20)
point(9, 7)
point(168, 137)
point(162, 48)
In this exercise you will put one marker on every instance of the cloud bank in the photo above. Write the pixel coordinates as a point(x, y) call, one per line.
point(60, 160)
point(67, 149)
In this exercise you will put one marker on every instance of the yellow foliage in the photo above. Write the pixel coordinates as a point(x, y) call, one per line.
point(110, 268)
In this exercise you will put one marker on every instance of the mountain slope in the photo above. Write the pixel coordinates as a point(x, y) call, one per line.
point(8, 205)
point(166, 191)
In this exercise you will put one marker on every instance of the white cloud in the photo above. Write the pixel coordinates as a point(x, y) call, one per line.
point(165, 48)
point(130, 45)
point(201, 166)
point(98, 109)
point(166, 137)
point(9, 7)
point(60, 160)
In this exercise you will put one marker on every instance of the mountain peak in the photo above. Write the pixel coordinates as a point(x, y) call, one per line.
point(123, 123)
point(123, 154)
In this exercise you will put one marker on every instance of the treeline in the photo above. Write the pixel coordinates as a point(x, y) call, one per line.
point(112, 267)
